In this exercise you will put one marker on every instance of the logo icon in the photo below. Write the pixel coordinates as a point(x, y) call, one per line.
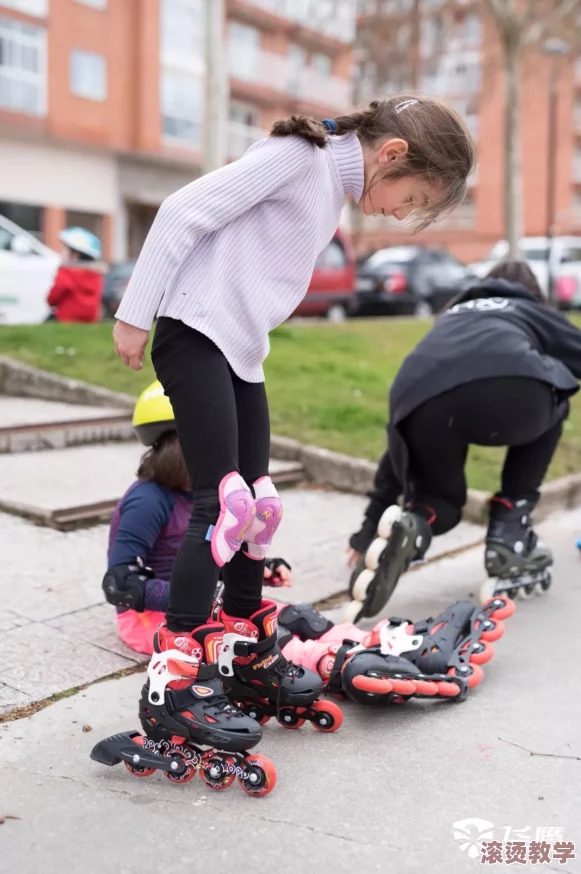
point(202, 691)
point(470, 833)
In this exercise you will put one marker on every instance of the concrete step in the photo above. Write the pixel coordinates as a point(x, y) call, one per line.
point(80, 486)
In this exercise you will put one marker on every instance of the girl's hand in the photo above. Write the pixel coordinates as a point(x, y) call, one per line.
point(277, 575)
point(352, 557)
point(130, 343)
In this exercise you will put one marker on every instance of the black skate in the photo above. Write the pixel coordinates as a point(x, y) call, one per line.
point(438, 657)
point(402, 537)
point(516, 561)
point(183, 707)
point(262, 682)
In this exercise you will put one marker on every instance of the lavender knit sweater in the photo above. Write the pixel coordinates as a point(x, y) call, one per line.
point(232, 254)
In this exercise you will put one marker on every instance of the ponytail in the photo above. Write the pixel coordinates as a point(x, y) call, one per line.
point(317, 132)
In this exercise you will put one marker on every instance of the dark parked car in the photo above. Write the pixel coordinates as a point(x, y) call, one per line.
point(115, 284)
point(408, 280)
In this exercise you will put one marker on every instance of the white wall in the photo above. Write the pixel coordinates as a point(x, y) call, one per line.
point(47, 175)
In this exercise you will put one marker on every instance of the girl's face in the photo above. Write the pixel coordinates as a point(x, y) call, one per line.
point(393, 197)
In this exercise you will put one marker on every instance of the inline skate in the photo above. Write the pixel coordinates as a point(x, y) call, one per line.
point(403, 536)
point(183, 708)
point(516, 561)
point(439, 657)
point(262, 683)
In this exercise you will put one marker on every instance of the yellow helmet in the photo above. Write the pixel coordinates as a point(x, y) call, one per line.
point(153, 414)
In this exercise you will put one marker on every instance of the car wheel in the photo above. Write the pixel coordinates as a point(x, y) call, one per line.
point(336, 313)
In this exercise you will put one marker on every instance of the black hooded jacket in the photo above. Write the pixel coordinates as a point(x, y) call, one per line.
point(495, 329)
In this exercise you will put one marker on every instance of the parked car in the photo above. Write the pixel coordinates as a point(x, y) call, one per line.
point(565, 259)
point(116, 282)
point(408, 280)
point(331, 291)
point(27, 271)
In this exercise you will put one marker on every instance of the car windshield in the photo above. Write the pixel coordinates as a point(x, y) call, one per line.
point(393, 255)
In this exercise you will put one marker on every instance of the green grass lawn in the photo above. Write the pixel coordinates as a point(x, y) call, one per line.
point(327, 384)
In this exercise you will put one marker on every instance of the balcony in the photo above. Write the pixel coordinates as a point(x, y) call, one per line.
point(275, 73)
point(241, 137)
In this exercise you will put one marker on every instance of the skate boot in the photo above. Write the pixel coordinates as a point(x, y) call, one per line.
point(182, 708)
point(262, 682)
point(516, 561)
point(403, 536)
point(433, 658)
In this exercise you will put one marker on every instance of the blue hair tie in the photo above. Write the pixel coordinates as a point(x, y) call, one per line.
point(331, 125)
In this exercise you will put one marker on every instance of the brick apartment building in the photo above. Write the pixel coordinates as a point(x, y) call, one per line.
point(459, 60)
point(102, 101)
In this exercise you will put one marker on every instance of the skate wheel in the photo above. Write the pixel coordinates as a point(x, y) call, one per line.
point(218, 772)
point(524, 593)
point(490, 629)
point(351, 611)
point(448, 690)
point(473, 676)
point(487, 591)
point(504, 607)
point(187, 775)
point(135, 769)
point(427, 687)
point(482, 652)
point(372, 685)
point(362, 584)
point(373, 554)
point(329, 716)
point(391, 515)
point(289, 717)
point(544, 585)
point(260, 776)
point(403, 687)
point(254, 711)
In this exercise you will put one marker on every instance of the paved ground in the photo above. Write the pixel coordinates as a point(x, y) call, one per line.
point(380, 795)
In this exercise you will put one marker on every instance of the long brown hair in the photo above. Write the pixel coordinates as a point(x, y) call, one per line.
point(164, 463)
point(440, 148)
point(520, 273)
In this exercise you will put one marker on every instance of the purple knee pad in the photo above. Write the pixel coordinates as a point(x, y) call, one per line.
point(237, 513)
point(267, 519)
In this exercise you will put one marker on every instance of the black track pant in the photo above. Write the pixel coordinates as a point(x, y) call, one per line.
point(223, 426)
point(523, 414)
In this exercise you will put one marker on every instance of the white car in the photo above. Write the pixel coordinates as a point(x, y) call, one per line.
point(27, 271)
point(565, 263)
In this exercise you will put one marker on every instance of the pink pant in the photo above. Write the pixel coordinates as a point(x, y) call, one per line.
point(137, 629)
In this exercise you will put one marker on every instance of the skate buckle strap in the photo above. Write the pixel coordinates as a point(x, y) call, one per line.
point(237, 646)
point(159, 675)
point(395, 640)
point(334, 681)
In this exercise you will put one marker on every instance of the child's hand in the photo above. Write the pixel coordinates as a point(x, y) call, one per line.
point(130, 343)
point(277, 573)
point(352, 557)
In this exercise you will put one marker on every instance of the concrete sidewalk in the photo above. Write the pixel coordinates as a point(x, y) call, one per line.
point(383, 794)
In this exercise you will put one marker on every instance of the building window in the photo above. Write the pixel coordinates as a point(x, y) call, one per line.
point(182, 35)
point(243, 128)
point(22, 67)
point(30, 7)
point(322, 65)
point(182, 106)
point(29, 218)
point(88, 75)
point(297, 63)
point(244, 51)
point(98, 4)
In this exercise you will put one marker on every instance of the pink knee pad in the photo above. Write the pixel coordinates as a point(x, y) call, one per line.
point(267, 519)
point(237, 513)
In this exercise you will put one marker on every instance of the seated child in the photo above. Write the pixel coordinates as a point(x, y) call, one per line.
point(146, 531)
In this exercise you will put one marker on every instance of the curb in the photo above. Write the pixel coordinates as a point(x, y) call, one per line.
point(324, 467)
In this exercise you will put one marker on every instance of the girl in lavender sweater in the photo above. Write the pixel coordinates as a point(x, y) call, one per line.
point(229, 257)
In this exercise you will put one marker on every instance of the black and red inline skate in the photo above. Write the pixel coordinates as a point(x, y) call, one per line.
point(264, 684)
point(183, 708)
point(433, 658)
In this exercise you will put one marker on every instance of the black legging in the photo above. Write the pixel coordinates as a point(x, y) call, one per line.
point(223, 426)
point(523, 414)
